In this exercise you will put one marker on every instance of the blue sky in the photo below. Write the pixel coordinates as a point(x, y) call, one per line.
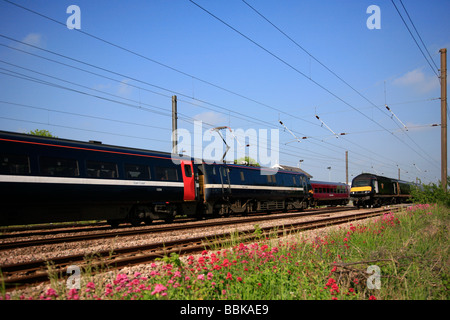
point(117, 88)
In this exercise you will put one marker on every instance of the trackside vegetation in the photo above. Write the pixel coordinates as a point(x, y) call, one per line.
point(401, 256)
point(432, 193)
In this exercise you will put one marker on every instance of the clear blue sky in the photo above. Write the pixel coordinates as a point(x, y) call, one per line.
point(221, 77)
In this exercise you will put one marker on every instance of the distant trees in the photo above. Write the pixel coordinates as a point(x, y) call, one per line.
point(42, 133)
point(247, 161)
point(432, 193)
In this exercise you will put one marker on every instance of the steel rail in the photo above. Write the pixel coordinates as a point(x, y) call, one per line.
point(19, 275)
point(123, 233)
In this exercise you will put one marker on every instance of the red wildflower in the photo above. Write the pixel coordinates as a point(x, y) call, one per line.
point(229, 276)
point(372, 298)
point(330, 282)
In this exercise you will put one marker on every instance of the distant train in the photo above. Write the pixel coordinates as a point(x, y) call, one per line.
point(373, 190)
point(52, 180)
point(330, 193)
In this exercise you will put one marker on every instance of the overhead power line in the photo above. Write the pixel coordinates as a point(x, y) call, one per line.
point(415, 41)
point(312, 80)
point(418, 34)
point(248, 118)
point(157, 62)
point(164, 65)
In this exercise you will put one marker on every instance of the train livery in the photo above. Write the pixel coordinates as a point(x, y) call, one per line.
point(330, 193)
point(51, 180)
point(46, 179)
point(373, 190)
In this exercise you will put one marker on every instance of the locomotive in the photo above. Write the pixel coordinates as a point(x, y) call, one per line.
point(45, 179)
point(374, 190)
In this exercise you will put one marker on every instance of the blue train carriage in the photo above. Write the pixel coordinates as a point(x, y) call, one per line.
point(374, 190)
point(240, 189)
point(51, 180)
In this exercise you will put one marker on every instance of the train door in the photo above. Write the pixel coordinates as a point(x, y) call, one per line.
point(188, 180)
point(225, 179)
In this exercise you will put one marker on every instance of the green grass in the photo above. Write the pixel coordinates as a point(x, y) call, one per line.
point(409, 249)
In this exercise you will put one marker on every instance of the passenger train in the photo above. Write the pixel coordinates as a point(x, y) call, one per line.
point(45, 179)
point(374, 190)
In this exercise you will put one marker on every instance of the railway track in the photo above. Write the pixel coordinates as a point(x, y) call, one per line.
point(104, 234)
point(19, 275)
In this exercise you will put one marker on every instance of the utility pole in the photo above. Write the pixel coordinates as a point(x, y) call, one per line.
point(346, 167)
point(174, 125)
point(444, 118)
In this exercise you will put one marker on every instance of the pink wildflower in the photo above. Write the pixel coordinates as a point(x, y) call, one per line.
point(51, 293)
point(73, 294)
point(159, 288)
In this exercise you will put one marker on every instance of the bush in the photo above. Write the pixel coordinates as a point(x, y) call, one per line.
point(431, 193)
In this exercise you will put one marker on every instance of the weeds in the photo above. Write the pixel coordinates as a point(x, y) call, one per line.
point(398, 256)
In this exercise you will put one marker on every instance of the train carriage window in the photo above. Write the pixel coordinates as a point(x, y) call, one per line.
point(211, 170)
point(166, 174)
point(58, 167)
point(98, 169)
point(242, 176)
point(14, 164)
point(188, 170)
point(137, 172)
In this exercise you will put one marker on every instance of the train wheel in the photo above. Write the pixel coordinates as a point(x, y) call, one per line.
point(135, 222)
point(171, 215)
point(137, 215)
point(221, 212)
point(114, 223)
